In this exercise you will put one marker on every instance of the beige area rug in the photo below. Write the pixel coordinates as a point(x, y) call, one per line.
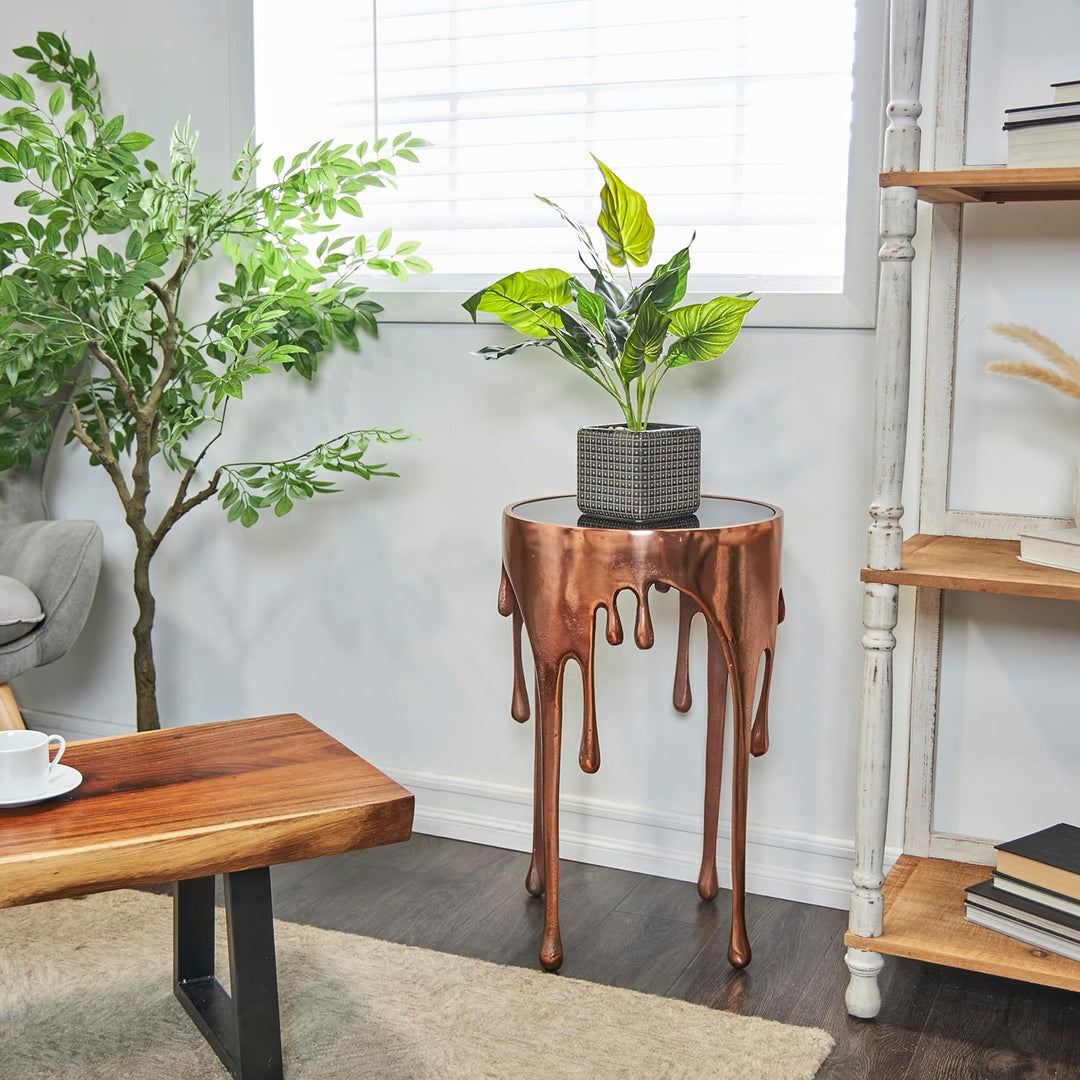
point(85, 992)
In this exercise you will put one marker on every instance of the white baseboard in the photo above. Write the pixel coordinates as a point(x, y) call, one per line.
point(73, 727)
point(780, 862)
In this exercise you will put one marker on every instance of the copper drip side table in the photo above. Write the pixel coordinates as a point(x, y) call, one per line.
point(559, 571)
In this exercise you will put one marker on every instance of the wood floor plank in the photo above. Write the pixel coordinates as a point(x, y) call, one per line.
point(788, 941)
point(678, 900)
point(868, 1049)
point(511, 934)
point(639, 952)
point(985, 1028)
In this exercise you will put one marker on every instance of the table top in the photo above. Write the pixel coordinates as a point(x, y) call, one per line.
point(715, 512)
point(194, 801)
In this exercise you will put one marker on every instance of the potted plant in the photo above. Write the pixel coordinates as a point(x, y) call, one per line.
point(95, 283)
point(626, 340)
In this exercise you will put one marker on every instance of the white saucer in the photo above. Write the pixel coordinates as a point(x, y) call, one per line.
point(62, 779)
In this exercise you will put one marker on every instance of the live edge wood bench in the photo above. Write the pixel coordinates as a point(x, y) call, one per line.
point(183, 805)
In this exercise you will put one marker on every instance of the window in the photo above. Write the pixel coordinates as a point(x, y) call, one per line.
point(733, 118)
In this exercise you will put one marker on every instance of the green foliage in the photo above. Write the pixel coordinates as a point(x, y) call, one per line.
point(626, 341)
point(264, 485)
point(94, 275)
point(624, 220)
point(521, 300)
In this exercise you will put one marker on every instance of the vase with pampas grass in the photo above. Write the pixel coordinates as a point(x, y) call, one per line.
point(1056, 369)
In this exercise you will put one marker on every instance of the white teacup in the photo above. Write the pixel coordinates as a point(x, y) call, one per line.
point(25, 768)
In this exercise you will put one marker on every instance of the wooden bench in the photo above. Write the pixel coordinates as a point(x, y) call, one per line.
point(183, 805)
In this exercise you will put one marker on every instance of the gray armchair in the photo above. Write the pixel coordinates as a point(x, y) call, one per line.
point(58, 562)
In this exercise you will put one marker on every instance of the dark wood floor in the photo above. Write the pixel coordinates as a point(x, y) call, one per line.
point(654, 935)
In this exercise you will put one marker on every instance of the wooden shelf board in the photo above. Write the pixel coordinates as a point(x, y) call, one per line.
point(924, 920)
point(968, 564)
point(994, 185)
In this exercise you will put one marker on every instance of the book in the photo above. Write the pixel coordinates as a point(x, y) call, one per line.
point(1030, 935)
point(1060, 548)
point(987, 895)
point(1066, 91)
point(1040, 896)
point(1049, 859)
point(1044, 143)
point(1040, 114)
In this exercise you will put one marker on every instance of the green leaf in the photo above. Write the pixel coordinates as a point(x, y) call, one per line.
point(516, 298)
point(704, 331)
point(591, 307)
point(111, 130)
point(8, 88)
point(9, 175)
point(134, 246)
point(27, 52)
point(56, 101)
point(26, 91)
point(666, 286)
point(134, 140)
point(417, 264)
point(384, 240)
point(644, 342)
point(282, 506)
point(624, 220)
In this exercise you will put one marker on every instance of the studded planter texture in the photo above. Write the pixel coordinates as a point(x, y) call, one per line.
point(638, 477)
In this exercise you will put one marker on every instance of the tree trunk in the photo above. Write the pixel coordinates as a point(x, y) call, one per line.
point(146, 709)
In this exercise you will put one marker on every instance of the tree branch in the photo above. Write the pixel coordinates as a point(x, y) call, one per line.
point(167, 295)
point(121, 380)
point(181, 506)
point(108, 462)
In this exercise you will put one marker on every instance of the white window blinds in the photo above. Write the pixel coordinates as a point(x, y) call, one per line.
point(732, 117)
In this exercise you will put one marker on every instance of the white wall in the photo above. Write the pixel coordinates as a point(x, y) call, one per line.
point(373, 612)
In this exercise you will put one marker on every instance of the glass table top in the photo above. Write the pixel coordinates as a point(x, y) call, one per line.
point(715, 512)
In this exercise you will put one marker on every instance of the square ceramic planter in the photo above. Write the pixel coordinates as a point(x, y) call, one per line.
point(638, 477)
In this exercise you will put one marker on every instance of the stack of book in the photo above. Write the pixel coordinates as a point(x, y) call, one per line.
point(1034, 895)
point(1046, 135)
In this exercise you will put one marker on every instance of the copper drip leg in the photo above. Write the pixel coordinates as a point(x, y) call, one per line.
point(534, 880)
point(717, 679)
point(549, 714)
point(743, 686)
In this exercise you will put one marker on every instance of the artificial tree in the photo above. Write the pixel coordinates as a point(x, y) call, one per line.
point(92, 290)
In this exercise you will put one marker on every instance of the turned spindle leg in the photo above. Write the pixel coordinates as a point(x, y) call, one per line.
point(743, 685)
point(863, 999)
point(717, 680)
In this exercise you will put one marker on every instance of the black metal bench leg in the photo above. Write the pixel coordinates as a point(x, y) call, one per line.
point(244, 1029)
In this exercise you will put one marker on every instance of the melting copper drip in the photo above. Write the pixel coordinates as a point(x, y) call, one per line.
point(556, 579)
point(681, 697)
point(519, 704)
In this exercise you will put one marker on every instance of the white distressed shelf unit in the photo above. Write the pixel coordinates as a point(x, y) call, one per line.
point(918, 911)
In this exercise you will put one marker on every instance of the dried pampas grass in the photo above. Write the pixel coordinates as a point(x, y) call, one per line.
point(1065, 379)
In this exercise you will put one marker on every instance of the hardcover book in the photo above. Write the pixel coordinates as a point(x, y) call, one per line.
point(1045, 143)
point(1066, 91)
point(1040, 896)
point(1048, 859)
point(1030, 935)
point(1060, 548)
point(986, 895)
